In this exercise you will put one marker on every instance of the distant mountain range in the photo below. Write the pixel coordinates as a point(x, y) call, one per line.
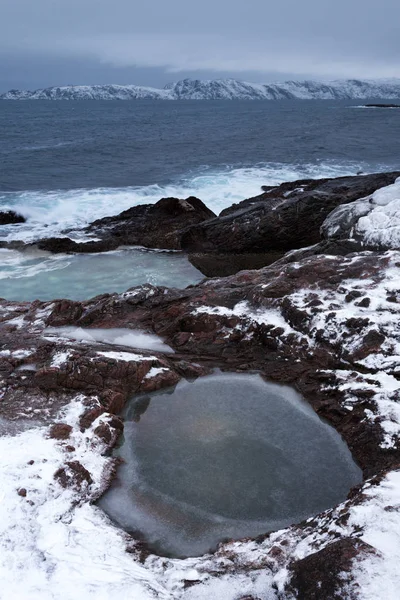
point(221, 89)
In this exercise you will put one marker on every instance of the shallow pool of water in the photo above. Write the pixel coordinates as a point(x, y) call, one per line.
point(40, 275)
point(226, 456)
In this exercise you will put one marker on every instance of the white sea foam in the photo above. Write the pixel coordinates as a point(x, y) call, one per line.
point(48, 213)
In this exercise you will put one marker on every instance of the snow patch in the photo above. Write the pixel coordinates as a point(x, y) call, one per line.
point(154, 371)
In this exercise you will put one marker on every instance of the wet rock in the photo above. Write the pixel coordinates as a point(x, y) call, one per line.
point(353, 295)
point(282, 218)
point(324, 574)
point(224, 264)
point(382, 105)
point(65, 245)
point(152, 225)
point(364, 303)
point(9, 217)
point(60, 431)
point(89, 416)
point(369, 344)
point(163, 379)
point(104, 432)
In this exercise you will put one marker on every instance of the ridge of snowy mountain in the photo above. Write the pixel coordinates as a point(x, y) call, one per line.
point(220, 89)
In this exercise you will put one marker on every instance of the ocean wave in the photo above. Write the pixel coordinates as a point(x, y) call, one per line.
point(49, 213)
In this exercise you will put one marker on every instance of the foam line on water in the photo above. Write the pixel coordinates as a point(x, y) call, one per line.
point(48, 213)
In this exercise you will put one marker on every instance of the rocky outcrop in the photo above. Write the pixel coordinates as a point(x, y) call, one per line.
point(157, 225)
point(312, 324)
point(284, 320)
point(325, 575)
point(373, 221)
point(382, 105)
point(282, 218)
point(9, 217)
point(64, 245)
point(323, 320)
point(152, 225)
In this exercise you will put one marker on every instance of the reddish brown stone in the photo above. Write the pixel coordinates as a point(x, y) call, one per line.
point(74, 475)
point(89, 417)
point(320, 575)
point(60, 431)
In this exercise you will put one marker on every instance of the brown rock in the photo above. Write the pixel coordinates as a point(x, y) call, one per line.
point(60, 431)
point(74, 475)
point(89, 416)
point(152, 225)
point(318, 576)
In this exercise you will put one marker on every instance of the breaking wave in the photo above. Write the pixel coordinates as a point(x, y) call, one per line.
point(49, 213)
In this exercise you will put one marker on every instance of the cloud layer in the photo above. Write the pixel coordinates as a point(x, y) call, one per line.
point(324, 39)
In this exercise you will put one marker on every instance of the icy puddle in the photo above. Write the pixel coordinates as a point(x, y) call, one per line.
point(117, 336)
point(226, 456)
point(43, 276)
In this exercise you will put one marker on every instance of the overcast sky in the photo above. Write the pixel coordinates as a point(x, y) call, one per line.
point(152, 42)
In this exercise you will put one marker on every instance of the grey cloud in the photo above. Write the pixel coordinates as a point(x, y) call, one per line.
point(324, 39)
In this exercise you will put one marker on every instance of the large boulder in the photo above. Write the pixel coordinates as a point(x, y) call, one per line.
point(65, 245)
point(157, 225)
point(9, 217)
point(282, 218)
point(327, 574)
point(373, 221)
point(153, 225)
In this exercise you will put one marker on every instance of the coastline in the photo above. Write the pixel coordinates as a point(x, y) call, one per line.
point(324, 323)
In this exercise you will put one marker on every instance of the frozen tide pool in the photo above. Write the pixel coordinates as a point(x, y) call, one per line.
point(226, 456)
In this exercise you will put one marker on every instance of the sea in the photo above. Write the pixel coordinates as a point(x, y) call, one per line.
point(64, 164)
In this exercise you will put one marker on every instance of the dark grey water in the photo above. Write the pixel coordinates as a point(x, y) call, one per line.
point(48, 145)
point(227, 456)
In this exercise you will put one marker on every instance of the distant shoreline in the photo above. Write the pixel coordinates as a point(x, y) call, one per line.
point(221, 89)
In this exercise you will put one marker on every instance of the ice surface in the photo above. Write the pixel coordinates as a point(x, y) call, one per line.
point(119, 336)
point(225, 457)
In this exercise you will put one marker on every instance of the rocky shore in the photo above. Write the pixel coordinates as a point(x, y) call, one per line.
point(320, 313)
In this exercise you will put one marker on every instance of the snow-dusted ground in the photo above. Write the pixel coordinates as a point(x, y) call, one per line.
point(53, 544)
point(56, 545)
point(220, 89)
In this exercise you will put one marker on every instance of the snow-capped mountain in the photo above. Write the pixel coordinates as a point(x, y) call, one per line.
point(221, 89)
point(89, 92)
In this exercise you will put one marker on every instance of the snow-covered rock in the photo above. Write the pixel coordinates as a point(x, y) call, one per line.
point(373, 221)
point(220, 89)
